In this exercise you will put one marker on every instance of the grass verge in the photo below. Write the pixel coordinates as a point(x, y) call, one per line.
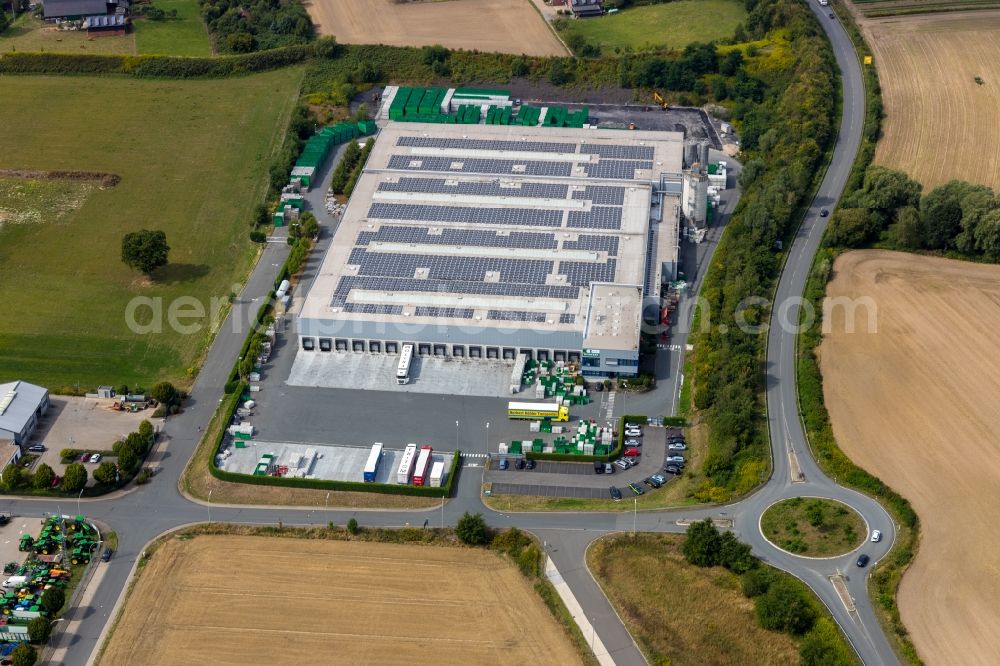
point(680, 614)
point(813, 527)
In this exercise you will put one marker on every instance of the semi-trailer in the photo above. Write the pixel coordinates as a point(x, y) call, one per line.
point(371, 467)
point(420, 472)
point(405, 469)
point(437, 474)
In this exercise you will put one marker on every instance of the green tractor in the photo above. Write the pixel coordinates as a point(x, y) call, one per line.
point(26, 543)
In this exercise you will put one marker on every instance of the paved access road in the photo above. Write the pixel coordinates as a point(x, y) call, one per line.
point(142, 514)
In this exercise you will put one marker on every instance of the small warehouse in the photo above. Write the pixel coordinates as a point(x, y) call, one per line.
point(21, 406)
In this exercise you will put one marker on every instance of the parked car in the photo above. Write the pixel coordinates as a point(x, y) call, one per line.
point(84, 458)
point(622, 464)
point(530, 464)
point(677, 446)
point(632, 442)
point(823, 212)
point(519, 464)
point(503, 463)
point(659, 478)
point(863, 560)
point(876, 536)
point(631, 452)
point(96, 458)
point(676, 460)
point(631, 425)
point(609, 468)
point(106, 555)
point(672, 469)
point(598, 468)
point(651, 482)
point(635, 489)
point(36, 448)
point(633, 432)
point(616, 494)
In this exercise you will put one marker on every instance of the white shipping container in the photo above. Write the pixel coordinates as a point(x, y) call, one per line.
point(254, 388)
point(437, 474)
point(249, 404)
point(535, 426)
point(503, 447)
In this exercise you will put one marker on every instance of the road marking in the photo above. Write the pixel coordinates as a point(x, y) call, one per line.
point(793, 468)
point(611, 406)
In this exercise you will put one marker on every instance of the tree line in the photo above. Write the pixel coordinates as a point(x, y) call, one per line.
point(784, 139)
point(890, 210)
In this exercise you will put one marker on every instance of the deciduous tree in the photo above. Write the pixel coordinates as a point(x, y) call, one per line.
point(145, 250)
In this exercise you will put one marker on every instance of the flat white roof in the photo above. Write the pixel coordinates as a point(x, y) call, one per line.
point(504, 227)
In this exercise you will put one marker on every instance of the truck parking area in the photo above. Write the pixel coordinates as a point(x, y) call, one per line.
point(318, 461)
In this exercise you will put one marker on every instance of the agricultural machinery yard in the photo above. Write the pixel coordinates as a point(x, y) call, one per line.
point(305, 601)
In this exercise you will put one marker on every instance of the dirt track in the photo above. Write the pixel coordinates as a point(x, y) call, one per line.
point(916, 404)
point(268, 600)
point(940, 124)
point(503, 26)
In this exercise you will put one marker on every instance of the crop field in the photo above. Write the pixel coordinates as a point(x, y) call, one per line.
point(502, 26)
point(672, 25)
point(300, 601)
point(880, 8)
point(678, 613)
point(192, 157)
point(915, 404)
point(939, 123)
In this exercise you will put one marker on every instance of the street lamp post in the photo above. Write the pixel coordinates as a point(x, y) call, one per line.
point(456, 435)
point(487, 437)
point(210, 504)
point(326, 509)
point(78, 510)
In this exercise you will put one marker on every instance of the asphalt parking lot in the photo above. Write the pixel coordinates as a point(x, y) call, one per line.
point(10, 537)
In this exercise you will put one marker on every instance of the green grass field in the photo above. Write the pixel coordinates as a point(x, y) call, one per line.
point(673, 25)
point(813, 527)
point(184, 36)
point(192, 156)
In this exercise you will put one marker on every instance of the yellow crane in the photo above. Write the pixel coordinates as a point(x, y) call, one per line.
point(658, 98)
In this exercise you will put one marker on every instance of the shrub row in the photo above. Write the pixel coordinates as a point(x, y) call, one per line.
point(152, 66)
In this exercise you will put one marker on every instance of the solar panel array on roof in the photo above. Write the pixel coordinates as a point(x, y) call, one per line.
point(488, 189)
point(389, 284)
point(373, 308)
point(388, 264)
point(516, 315)
point(602, 194)
point(391, 233)
point(519, 216)
point(617, 151)
point(616, 169)
point(365, 237)
point(479, 165)
point(486, 144)
point(607, 244)
point(598, 217)
point(432, 311)
point(581, 274)
point(567, 319)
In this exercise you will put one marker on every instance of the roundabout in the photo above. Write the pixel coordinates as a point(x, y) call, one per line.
point(813, 527)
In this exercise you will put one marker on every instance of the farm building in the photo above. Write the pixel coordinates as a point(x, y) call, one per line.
point(76, 10)
point(10, 453)
point(489, 241)
point(584, 8)
point(116, 24)
point(21, 405)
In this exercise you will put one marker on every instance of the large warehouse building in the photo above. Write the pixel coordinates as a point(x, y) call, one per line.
point(489, 241)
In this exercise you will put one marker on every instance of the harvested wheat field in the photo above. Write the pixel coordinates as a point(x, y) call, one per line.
point(270, 600)
point(940, 123)
point(916, 404)
point(502, 26)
